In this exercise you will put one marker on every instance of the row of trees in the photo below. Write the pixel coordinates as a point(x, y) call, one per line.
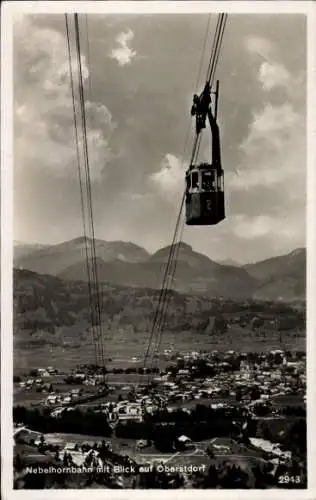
point(201, 423)
point(73, 421)
point(163, 428)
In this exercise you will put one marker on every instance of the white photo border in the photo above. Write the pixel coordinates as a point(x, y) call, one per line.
point(9, 9)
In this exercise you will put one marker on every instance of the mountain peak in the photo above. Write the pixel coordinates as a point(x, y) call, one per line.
point(180, 246)
point(57, 258)
point(79, 239)
point(184, 247)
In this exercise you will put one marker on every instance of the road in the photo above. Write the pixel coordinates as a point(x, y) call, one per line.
point(18, 429)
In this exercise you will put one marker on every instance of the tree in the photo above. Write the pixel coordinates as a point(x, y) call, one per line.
point(238, 394)
point(18, 463)
point(210, 452)
point(261, 410)
point(257, 322)
point(220, 324)
point(255, 393)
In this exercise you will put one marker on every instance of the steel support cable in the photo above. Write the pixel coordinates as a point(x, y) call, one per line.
point(97, 321)
point(86, 164)
point(164, 289)
point(88, 58)
point(212, 68)
point(171, 278)
point(215, 53)
point(198, 78)
point(89, 92)
point(197, 138)
point(82, 108)
point(197, 81)
point(160, 294)
point(173, 248)
point(81, 185)
point(220, 45)
point(88, 181)
point(169, 284)
point(90, 87)
point(215, 46)
point(164, 313)
point(214, 61)
point(216, 35)
point(220, 41)
point(217, 42)
point(196, 148)
point(203, 52)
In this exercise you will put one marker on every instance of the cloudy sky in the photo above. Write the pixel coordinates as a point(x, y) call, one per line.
point(140, 73)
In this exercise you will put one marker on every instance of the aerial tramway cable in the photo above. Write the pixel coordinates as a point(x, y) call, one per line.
point(161, 312)
point(88, 182)
point(217, 44)
point(89, 94)
point(93, 283)
point(218, 48)
point(82, 201)
point(221, 23)
point(164, 288)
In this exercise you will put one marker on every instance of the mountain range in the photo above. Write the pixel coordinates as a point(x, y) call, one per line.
point(24, 249)
point(127, 264)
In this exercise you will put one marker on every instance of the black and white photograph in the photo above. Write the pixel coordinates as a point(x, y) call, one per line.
point(159, 182)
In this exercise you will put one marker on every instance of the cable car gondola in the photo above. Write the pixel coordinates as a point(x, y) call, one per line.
point(205, 204)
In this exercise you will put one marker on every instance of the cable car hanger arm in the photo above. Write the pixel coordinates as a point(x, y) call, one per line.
point(216, 147)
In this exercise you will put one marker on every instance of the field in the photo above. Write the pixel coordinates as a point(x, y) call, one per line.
point(27, 398)
point(121, 347)
point(288, 400)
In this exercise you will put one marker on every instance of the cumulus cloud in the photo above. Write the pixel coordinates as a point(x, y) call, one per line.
point(252, 227)
point(288, 227)
point(273, 152)
point(273, 156)
point(123, 54)
point(43, 109)
point(272, 119)
point(258, 46)
point(273, 75)
point(274, 149)
point(169, 180)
